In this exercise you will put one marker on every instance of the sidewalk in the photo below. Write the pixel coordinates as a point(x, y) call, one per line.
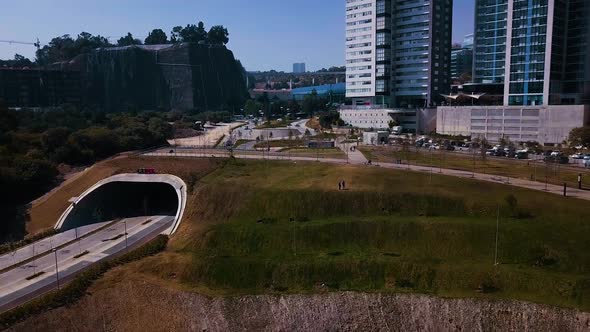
point(550, 188)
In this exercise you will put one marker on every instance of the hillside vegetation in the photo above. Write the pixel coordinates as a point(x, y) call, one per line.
point(255, 227)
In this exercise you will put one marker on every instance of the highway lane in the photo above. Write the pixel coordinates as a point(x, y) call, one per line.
point(47, 244)
point(15, 289)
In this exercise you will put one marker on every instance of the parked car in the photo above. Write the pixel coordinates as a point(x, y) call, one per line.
point(577, 156)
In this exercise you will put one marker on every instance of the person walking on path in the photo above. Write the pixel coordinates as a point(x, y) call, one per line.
point(343, 185)
point(340, 185)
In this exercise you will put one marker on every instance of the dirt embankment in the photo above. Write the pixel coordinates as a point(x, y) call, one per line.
point(139, 306)
point(46, 210)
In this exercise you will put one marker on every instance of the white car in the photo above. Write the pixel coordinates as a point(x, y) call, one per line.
point(577, 156)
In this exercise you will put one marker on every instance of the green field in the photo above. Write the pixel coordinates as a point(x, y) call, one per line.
point(524, 169)
point(282, 227)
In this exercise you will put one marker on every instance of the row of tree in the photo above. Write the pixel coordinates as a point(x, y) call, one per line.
point(34, 143)
point(66, 47)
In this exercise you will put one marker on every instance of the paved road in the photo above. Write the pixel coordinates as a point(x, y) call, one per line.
point(15, 289)
point(45, 245)
point(357, 158)
point(210, 138)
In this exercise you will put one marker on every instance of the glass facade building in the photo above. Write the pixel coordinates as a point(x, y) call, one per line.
point(537, 48)
point(490, 41)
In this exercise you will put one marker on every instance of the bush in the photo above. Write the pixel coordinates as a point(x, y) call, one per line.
point(78, 287)
point(489, 282)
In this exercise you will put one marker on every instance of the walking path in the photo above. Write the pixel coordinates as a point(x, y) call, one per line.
point(357, 158)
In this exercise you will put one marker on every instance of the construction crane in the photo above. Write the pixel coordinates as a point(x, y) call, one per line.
point(37, 44)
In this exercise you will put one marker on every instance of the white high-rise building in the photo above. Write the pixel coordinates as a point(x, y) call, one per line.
point(398, 52)
point(360, 48)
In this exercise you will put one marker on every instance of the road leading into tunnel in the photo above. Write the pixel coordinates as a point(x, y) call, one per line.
point(18, 284)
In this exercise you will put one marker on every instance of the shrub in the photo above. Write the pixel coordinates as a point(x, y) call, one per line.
point(489, 282)
point(512, 202)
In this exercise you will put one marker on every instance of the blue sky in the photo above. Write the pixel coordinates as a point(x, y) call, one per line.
point(264, 34)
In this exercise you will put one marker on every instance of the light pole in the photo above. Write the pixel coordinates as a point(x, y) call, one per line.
point(497, 231)
point(34, 259)
point(56, 270)
point(78, 239)
point(125, 223)
point(473, 174)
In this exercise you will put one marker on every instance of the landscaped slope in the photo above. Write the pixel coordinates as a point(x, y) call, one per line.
point(284, 233)
point(260, 227)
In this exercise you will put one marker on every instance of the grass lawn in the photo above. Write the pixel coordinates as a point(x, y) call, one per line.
point(253, 227)
point(240, 142)
point(274, 124)
point(553, 173)
point(306, 152)
point(281, 143)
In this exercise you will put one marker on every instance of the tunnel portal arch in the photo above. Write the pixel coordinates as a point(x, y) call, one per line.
point(158, 193)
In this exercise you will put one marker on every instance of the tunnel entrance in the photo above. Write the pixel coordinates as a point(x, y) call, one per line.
point(123, 200)
point(127, 196)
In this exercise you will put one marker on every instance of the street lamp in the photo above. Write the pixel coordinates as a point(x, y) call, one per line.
point(56, 270)
point(125, 223)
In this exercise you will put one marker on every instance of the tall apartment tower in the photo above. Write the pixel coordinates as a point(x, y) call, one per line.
point(537, 48)
point(398, 52)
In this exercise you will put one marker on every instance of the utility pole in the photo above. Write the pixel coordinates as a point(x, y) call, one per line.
point(77, 239)
point(473, 174)
point(34, 259)
point(431, 166)
point(56, 270)
point(497, 232)
point(126, 247)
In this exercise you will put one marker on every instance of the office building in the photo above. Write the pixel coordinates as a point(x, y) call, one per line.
point(538, 51)
point(468, 41)
point(398, 51)
point(462, 60)
point(398, 55)
point(299, 68)
point(537, 48)
point(461, 63)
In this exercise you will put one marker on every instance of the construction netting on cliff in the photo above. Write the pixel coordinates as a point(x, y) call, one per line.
point(184, 76)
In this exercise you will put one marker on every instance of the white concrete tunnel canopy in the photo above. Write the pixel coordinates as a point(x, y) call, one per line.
point(174, 181)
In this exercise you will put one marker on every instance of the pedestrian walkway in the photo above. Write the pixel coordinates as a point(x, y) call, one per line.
point(550, 188)
point(357, 158)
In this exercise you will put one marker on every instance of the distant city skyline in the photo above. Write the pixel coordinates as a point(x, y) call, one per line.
point(264, 34)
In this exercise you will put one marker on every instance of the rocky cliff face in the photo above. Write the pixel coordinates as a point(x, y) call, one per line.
point(179, 76)
point(141, 307)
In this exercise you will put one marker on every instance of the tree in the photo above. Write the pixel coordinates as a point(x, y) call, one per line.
point(175, 35)
point(128, 40)
point(86, 42)
point(580, 136)
point(156, 37)
point(65, 47)
point(189, 34)
point(53, 138)
point(58, 49)
point(251, 107)
point(218, 35)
